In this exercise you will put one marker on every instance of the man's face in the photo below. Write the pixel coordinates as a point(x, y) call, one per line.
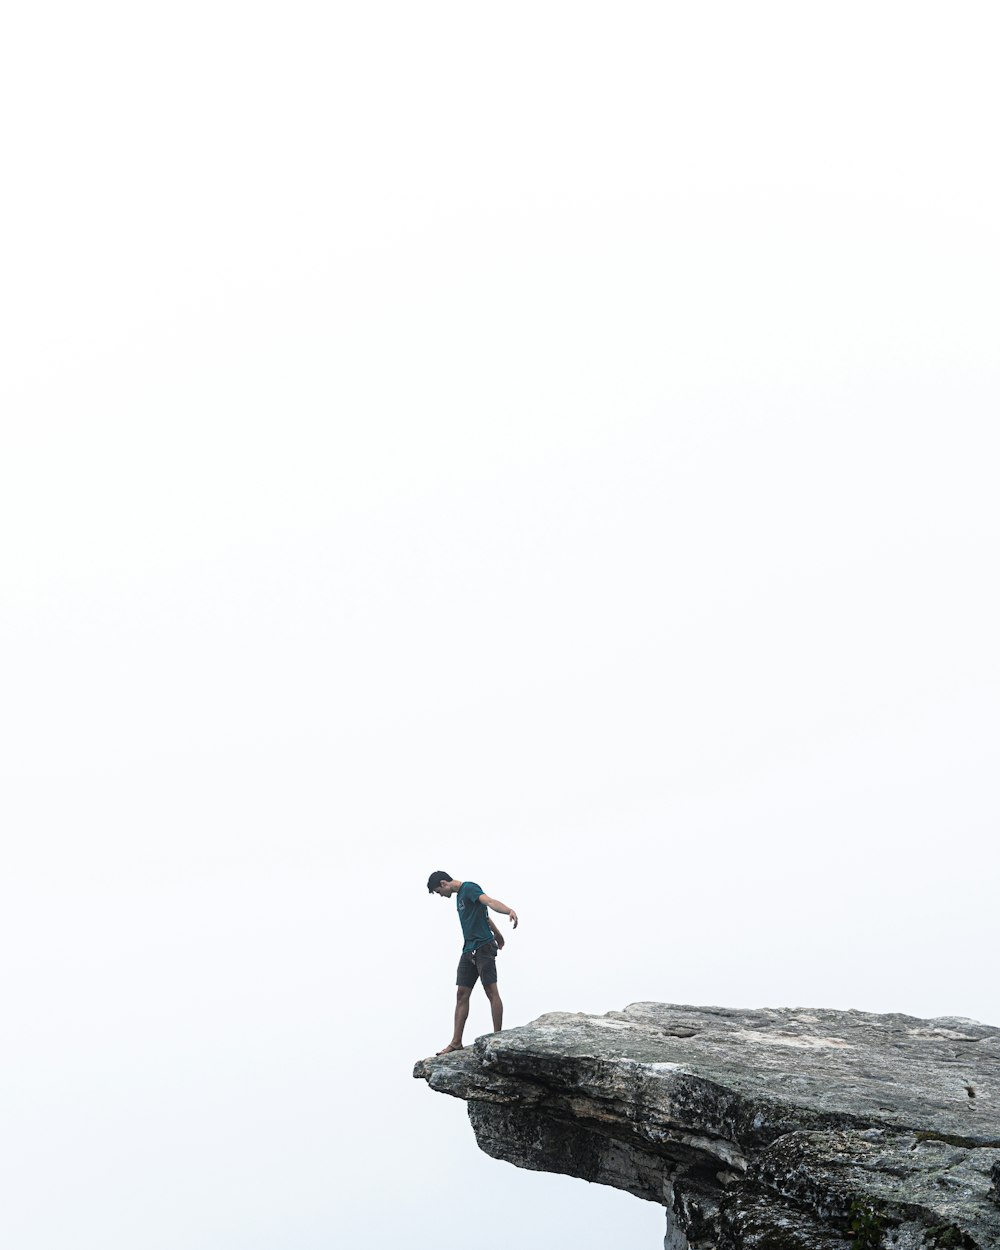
point(444, 889)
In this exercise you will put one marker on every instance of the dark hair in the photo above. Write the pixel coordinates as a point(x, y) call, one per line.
point(435, 879)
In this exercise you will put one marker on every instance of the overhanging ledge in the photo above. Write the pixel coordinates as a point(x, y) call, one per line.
point(744, 1123)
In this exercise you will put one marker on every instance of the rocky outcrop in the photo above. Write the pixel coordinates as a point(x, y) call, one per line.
point(756, 1130)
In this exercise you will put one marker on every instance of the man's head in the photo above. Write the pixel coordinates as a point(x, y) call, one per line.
point(441, 883)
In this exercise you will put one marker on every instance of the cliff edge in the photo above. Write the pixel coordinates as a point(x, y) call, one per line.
point(756, 1130)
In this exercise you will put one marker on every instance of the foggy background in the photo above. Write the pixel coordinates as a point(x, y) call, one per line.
point(550, 443)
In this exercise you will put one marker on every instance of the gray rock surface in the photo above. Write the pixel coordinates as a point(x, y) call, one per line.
point(756, 1130)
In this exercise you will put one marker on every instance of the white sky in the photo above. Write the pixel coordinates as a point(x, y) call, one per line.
point(552, 443)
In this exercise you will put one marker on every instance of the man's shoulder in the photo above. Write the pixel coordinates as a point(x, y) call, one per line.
point(471, 888)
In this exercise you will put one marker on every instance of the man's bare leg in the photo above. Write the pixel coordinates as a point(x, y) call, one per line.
point(461, 1015)
point(496, 1006)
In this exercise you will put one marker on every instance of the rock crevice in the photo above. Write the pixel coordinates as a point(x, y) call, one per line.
point(755, 1130)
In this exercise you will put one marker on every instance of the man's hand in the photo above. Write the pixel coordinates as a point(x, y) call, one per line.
point(495, 905)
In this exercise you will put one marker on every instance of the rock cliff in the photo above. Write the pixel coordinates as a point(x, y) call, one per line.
point(756, 1130)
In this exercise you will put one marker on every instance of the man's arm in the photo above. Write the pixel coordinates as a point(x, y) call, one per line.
point(496, 933)
point(495, 905)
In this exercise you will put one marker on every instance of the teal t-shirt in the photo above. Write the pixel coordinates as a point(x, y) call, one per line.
point(473, 915)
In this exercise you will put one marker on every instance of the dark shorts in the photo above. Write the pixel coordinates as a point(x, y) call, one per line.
point(482, 962)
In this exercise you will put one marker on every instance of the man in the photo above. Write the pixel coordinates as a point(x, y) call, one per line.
point(483, 940)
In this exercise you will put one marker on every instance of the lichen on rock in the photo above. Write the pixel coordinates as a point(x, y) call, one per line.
point(755, 1130)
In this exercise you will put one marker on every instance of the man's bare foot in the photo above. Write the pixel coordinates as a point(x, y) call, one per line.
point(450, 1047)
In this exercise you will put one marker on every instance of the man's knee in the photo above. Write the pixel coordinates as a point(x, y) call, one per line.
point(464, 993)
point(492, 991)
